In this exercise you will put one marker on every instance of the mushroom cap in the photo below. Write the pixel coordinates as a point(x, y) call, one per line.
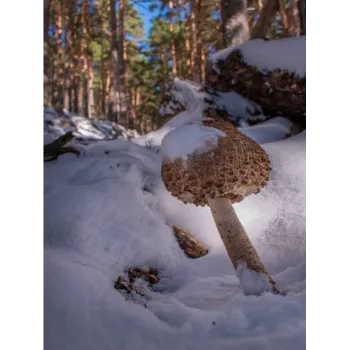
point(234, 169)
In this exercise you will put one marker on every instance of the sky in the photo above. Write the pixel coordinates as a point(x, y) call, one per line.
point(146, 15)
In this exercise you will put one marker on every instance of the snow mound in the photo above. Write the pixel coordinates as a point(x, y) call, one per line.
point(274, 129)
point(190, 96)
point(56, 124)
point(108, 210)
point(283, 54)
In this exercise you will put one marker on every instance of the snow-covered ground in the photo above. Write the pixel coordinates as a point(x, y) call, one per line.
point(108, 210)
point(86, 129)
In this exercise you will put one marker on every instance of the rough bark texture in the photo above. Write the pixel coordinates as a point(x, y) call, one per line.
point(114, 77)
point(265, 19)
point(277, 92)
point(235, 21)
point(195, 58)
point(294, 19)
point(172, 38)
point(187, 42)
point(284, 18)
point(47, 97)
point(302, 14)
point(123, 86)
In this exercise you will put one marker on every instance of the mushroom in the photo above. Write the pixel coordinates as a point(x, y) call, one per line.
point(224, 168)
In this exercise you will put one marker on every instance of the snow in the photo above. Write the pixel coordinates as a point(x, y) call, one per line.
point(193, 96)
point(56, 125)
point(108, 210)
point(154, 138)
point(221, 55)
point(253, 283)
point(284, 54)
point(271, 130)
point(189, 139)
point(274, 129)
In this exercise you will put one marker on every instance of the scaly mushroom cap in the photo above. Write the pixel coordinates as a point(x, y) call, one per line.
point(234, 169)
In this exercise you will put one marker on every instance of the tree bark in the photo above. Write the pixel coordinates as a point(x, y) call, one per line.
point(113, 110)
point(294, 20)
point(235, 22)
point(278, 92)
point(91, 104)
point(84, 60)
point(194, 56)
point(68, 27)
point(47, 95)
point(199, 64)
point(123, 80)
point(60, 62)
point(187, 42)
point(267, 13)
point(284, 18)
point(104, 93)
point(302, 14)
point(196, 40)
point(172, 39)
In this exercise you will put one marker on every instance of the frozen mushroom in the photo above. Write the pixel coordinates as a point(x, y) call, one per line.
point(224, 172)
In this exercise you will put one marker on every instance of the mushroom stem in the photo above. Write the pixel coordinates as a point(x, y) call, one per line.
point(237, 243)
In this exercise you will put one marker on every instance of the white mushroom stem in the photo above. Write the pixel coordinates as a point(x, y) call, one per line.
point(237, 243)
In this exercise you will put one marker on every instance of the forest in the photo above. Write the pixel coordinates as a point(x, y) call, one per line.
point(174, 174)
point(101, 63)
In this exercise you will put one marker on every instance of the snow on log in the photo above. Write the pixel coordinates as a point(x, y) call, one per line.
point(270, 73)
point(186, 95)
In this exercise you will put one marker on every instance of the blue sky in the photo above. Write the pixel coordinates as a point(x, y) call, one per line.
point(146, 15)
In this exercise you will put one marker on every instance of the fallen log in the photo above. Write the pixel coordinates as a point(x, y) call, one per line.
point(270, 73)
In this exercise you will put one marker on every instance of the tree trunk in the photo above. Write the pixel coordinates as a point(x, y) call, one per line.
point(196, 59)
point(75, 62)
point(267, 13)
point(113, 110)
point(122, 88)
point(294, 20)
point(60, 62)
point(107, 89)
point(172, 39)
point(284, 18)
point(194, 69)
point(302, 14)
point(91, 104)
point(199, 63)
point(235, 22)
point(260, 5)
point(202, 64)
point(53, 58)
point(83, 59)
point(47, 95)
point(68, 26)
point(103, 73)
point(187, 43)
